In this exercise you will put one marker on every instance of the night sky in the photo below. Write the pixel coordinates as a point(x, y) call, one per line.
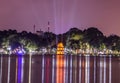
point(62, 15)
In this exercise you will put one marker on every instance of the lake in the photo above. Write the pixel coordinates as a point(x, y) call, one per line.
point(59, 69)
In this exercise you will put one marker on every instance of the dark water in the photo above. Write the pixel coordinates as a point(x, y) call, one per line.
point(59, 69)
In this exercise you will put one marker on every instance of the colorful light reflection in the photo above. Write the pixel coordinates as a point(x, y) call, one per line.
point(19, 69)
point(60, 69)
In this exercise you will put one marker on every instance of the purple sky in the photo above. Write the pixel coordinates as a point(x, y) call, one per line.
point(62, 15)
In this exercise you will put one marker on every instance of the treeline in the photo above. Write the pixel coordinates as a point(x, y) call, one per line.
point(73, 39)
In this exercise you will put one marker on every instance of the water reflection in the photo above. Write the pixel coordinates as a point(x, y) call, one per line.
point(59, 69)
point(29, 79)
point(53, 69)
point(110, 70)
point(8, 77)
point(87, 69)
point(94, 64)
point(0, 69)
point(43, 63)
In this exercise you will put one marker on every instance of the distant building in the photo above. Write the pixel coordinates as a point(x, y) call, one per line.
point(40, 33)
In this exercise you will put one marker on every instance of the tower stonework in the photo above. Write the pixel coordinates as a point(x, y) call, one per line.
point(60, 49)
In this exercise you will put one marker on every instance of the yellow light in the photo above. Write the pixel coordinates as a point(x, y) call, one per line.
point(60, 63)
point(60, 69)
point(60, 49)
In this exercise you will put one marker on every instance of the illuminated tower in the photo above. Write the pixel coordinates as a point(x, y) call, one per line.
point(60, 63)
point(60, 46)
point(60, 49)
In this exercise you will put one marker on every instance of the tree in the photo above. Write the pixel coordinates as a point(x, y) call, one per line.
point(112, 42)
point(73, 37)
point(93, 36)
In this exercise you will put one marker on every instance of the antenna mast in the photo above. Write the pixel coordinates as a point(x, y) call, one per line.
point(34, 28)
point(48, 26)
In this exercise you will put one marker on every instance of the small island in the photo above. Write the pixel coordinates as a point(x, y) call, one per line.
point(75, 41)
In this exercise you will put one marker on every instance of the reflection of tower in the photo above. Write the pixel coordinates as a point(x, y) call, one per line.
point(60, 64)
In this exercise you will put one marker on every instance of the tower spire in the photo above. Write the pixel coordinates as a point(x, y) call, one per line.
point(34, 28)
